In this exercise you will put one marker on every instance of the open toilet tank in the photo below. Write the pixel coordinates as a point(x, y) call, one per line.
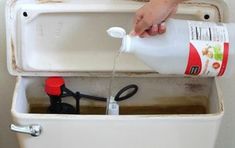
point(68, 38)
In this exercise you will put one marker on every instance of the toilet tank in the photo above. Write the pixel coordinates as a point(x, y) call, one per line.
point(68, 38)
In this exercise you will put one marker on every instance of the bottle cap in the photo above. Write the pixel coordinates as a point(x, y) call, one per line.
point(118, 32)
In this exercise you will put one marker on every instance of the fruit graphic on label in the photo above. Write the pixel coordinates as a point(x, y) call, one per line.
point(208, 51)
point(210, 54)
point(216, 65)
point(204, 51)
point(218, 53)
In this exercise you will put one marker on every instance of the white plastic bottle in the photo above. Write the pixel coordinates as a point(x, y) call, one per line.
point(187, 48)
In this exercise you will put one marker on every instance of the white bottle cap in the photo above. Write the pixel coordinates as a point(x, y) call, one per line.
point(118, 32)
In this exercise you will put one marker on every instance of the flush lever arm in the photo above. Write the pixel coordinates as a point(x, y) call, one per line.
point(33, 130)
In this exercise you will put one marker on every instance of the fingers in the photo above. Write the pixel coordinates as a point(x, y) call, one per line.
point(142, 21)
point(138, 17)
point(157, 29)
point(142, 26)
point(133, 33)
point(144, 34)
point(162, 28)
point(153, 30)
point(147, 21)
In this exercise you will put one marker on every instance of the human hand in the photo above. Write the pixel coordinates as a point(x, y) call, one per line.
point(150, 19)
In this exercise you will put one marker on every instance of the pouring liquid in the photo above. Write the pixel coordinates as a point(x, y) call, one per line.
point(115, 32)
point(112, 79)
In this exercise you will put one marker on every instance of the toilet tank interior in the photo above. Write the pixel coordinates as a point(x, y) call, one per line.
point(156, 95)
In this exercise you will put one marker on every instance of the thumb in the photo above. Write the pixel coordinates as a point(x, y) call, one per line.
point(141, 26)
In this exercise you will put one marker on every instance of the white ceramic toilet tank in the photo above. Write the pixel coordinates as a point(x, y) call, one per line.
point(68, 38)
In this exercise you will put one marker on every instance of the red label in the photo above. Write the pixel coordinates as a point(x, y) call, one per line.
point(194, 62)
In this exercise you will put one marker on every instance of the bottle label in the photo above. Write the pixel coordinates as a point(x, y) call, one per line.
point(209, 48)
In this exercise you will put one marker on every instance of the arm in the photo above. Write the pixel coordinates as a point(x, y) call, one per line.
point(149, 19)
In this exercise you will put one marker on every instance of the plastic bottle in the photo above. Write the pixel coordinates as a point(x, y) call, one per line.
point(187, 48)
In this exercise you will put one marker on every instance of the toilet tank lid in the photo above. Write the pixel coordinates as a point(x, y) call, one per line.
point(58, 37)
